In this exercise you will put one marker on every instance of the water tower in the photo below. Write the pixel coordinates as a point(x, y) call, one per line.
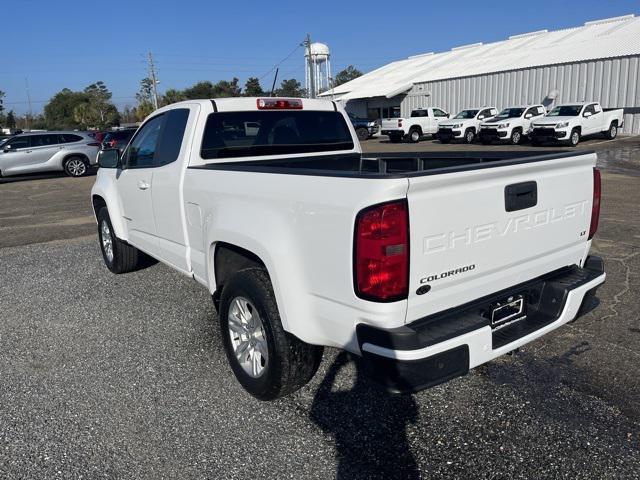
point(317, 68)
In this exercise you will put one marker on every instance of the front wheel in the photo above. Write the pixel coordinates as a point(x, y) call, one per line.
point(118, 256)
point(469, 136)
point(267, 361)
point(612, 132)
point(75, 167)
point(574, 138)
point(516, 137)
point(362, 133)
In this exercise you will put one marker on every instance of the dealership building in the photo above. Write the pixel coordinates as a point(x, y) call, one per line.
point(599, 61)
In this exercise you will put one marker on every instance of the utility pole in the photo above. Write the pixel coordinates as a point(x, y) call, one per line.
point(311, 74)
point(26, 83)
point(154, 80)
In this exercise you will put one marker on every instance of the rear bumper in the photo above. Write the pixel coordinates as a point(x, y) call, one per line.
point(446, 345)
point(392, 132)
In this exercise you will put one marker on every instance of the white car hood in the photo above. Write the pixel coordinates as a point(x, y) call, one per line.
point(552, 120)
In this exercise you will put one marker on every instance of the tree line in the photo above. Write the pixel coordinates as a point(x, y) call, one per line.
point(92, 108)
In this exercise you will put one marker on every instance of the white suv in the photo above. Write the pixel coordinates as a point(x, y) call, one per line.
point(71, 152)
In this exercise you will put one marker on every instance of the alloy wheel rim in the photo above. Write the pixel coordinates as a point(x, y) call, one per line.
point(76, 167)
point(248, 338)
point(469, 137)
point(415, 136)
point(516, 137)
point(574, 138)
point(107, 241)
point(613, 132)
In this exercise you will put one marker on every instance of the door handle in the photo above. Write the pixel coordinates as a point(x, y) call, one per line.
point(142, 185)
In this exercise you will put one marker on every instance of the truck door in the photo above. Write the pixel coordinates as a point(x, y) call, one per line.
point(172, 157)
point(135, 184)
point(593, 123)
point(438, 116)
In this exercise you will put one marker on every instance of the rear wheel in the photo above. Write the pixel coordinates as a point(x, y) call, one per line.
point(469, 135)
point(118, 256)
point(362, 133)
point(574, 138)
point(516, 137)
point(267, 361)
point(414, 135)
point(612, 132)
point(75, 167)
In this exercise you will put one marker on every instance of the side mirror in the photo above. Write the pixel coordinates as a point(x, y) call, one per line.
point(587, 114)
point(109, 158)
point(528, 115)
point(481, 117)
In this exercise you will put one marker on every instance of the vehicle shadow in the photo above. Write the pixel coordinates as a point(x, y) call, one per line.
point(368, 424)
point(42, 176)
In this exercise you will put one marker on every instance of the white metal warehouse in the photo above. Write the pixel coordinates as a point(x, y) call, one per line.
point(598, 61)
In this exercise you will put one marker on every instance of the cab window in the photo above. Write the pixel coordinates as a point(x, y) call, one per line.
point(439, 113)
point(43, 140)
point(17, 143)
point(171, 137)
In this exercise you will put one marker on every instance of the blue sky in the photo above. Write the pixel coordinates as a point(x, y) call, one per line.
point(56, 44)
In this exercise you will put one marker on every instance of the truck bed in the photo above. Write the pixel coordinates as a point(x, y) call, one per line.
point(391, 165)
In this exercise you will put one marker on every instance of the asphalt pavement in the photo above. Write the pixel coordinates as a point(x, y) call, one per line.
point(106, 376)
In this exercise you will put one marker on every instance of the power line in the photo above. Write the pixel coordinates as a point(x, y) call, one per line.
point(281, 61)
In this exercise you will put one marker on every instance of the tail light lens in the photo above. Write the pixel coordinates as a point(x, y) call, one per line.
point(381, 256)
point(399, 123)
point(595, 209)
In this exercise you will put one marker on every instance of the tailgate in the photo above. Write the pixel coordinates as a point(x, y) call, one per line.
point(389, 124)
point(465, 244)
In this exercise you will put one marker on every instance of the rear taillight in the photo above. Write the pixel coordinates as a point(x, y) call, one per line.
point(595, 208)
point(399, 123)
point(381, 256)
point(279, 104)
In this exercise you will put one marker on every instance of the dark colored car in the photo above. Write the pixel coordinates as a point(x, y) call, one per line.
point(118, 138)
point(364, 127)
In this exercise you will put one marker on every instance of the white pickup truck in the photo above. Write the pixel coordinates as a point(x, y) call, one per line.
point(465, 125)
point(425, 265)
point(423, 121)
point(571, 122)
point(512, 124)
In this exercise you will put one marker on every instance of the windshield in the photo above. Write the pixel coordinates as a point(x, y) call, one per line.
point(566, 111)
point(227, 134)
point(467, 114)
point(510, 113)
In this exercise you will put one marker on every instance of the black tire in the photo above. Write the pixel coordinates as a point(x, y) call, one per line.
point(362, 133)
point(469, 135)
point(414, 135)
point(574, 137)
point(125, 258)
point(612, 132)
point(395, 138)
point(516, 136)
point(291, 363)
point(76, 167)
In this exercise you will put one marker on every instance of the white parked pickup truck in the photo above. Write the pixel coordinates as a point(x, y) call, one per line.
point(511, 124)
point(423, 121)
point(465, 125)
point(569, 123)
point(425, 265)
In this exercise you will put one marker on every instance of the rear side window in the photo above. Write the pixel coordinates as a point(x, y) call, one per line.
point(242, 134)
point(171, 137)
point(420, 113)
point(43, 140)
point(69, 138)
